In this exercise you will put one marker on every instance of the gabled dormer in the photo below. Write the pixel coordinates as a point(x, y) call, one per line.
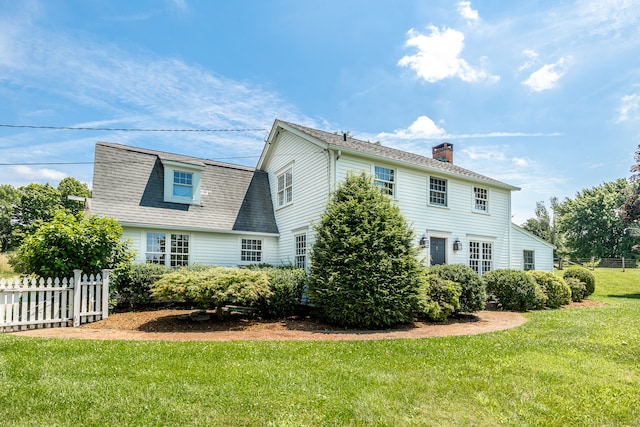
point(182, 182)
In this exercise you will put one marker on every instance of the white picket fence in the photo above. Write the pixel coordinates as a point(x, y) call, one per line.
point(39, 303)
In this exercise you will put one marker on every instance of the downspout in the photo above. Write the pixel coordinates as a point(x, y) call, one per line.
point(509, 234)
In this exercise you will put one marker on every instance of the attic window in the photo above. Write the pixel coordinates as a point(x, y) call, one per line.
point(182, 182)
point(285, 187)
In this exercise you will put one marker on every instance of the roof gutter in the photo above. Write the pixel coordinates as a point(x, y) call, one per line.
point(344, 150)
point(197, 229)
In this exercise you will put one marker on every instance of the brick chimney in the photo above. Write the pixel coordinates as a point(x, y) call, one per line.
point(443, 152)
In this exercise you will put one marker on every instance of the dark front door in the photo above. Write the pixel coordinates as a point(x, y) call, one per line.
point(438, 248)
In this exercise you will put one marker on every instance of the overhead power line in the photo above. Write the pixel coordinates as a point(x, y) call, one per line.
point(130, 129)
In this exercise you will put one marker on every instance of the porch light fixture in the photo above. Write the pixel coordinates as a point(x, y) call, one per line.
point(457, 245)
point(424, 241)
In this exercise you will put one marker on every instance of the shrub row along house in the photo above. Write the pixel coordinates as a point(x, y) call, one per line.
point(179, 210)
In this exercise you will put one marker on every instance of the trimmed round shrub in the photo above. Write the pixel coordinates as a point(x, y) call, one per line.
point(557, 291)
point(364, 267)
point(585, 276)
point(514, 289)
point(130, 284)
point(286, 286)
point(438, 298)
point(473, 295)
point(578, 289)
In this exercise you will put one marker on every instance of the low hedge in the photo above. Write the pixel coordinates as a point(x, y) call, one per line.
point(286, 286)
point(130, 285)
point(557, 291)
point(514, 289)
point(438, 298)
point(578, 289)
point(473, 295)
point(214, 287)
point(584, 275)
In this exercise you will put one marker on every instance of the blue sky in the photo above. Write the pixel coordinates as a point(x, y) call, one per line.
point(543, 95)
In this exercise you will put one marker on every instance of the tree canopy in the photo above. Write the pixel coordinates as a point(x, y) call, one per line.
point(69, 242)
point(591, 224)
point(544, 224)
point(22, 208)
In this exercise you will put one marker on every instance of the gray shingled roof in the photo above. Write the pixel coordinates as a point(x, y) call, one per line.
point(337, 141)
point(128, 185)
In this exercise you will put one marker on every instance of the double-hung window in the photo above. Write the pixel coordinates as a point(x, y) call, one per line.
point(300, 251)
point(285, 187)
point(481, 256)
point(384, 178)
point(529, 260)
point(183, 184)
point(480, 199)
point(179, 250)
point(437, 191)
point(251, 250)
point(175, 254)
point(156, 248)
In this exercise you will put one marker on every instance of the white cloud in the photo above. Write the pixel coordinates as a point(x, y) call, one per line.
point(531, 56)
point(629, 108)
point(423, 127)
point(608, 16)
point(547, 76)
point(492, 153)
point(464, 9)
point(520, 162)
point(438, 57)
point(141, 90)
point(40, 174)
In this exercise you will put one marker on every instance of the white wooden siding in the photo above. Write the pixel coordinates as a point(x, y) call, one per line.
point(458, 220)
point(316, 173)
point(208, 248)
point(312, 185)
point(521, 241)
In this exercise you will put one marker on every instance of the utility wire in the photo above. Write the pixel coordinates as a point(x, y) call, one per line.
point(129, 129)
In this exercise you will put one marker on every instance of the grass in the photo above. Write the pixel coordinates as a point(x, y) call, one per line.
point(5, 269)
point(563, 367)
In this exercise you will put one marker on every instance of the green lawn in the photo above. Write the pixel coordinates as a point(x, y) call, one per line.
point(565, 367)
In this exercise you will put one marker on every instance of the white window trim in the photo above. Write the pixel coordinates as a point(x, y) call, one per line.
point(283, 171)
point(168, 235)
point(481, 260)
point(258, 252)
point(446, 193)
point(306, 249)
point(524, 264)
point(394, 183)
point(474, 207)
point(169, 168)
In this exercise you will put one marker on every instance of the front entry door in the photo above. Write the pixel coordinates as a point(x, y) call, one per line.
point(438, 248)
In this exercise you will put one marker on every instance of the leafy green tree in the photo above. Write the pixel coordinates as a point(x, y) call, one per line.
point(544, 225)
point(591, 224)
point(630, 209)
point(69, 242)
point(9, 196)
point(72, 187)
point(364, 267)
point(37, 202)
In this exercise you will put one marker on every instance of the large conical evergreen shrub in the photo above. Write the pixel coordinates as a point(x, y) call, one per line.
point(364, 267)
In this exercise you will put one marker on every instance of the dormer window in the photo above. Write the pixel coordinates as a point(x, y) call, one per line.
point(182, 182)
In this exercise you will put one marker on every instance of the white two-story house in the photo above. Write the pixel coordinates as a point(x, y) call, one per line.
point(180, 210)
